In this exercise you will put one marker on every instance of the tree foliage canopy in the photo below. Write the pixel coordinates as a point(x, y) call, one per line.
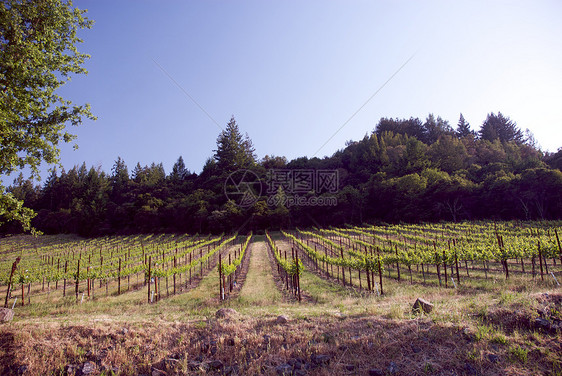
point(38, 54)
point(386, 176)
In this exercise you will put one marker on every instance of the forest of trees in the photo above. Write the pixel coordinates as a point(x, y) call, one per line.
point(405, 170)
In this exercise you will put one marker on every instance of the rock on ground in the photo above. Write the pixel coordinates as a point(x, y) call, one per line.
point(422, 305)
point(6, 314)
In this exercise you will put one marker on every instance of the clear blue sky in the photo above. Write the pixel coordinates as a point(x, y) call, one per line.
point(292, 72)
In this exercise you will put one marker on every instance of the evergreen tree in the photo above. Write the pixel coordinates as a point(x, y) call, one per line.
point(500, 127)
point(463, 128)
point(119, 181)
point(234, 151)
point(120, 173)
point(179, 172)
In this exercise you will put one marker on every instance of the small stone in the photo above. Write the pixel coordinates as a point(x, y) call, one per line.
point(422, 305)
point(375, 372)
point(284, 369)
point(6, 314)
point(225, 313)
point(22, 370)
point(124, 331)
point(392, 368)
point(88, 368)
point(544, 325)
point(350, 367)
point(281, 319)
point(415, 349)
point(493, 358)
point(340, 316)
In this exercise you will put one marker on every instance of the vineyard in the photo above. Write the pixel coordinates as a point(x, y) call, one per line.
point(59, 267)
point(376, 271)
point(445, 255)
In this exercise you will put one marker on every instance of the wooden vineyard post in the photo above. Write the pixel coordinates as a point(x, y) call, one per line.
point(58, 269)
point(175, 266)
point(101, 268)
point(368, 279)
point(22, 294)
point(119, 279)
point(457, 267)
point(64, 285)
point(540, 259)
point(298, 275)
point(156, 287)
point(445, 268)
point(77, 279)
point(558, 242)
point(88, 280)
point(373, 268)
point(342, 270)
point(148, 276)
point(505, 259)
point(286, 274)
point(14, 267)
point(220, 278)
point(380, 273)
point(397, 263)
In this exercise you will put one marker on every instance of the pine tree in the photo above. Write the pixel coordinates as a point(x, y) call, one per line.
point(234, 151)
point(500, 127)
point(179, 172)
point(463, 128)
